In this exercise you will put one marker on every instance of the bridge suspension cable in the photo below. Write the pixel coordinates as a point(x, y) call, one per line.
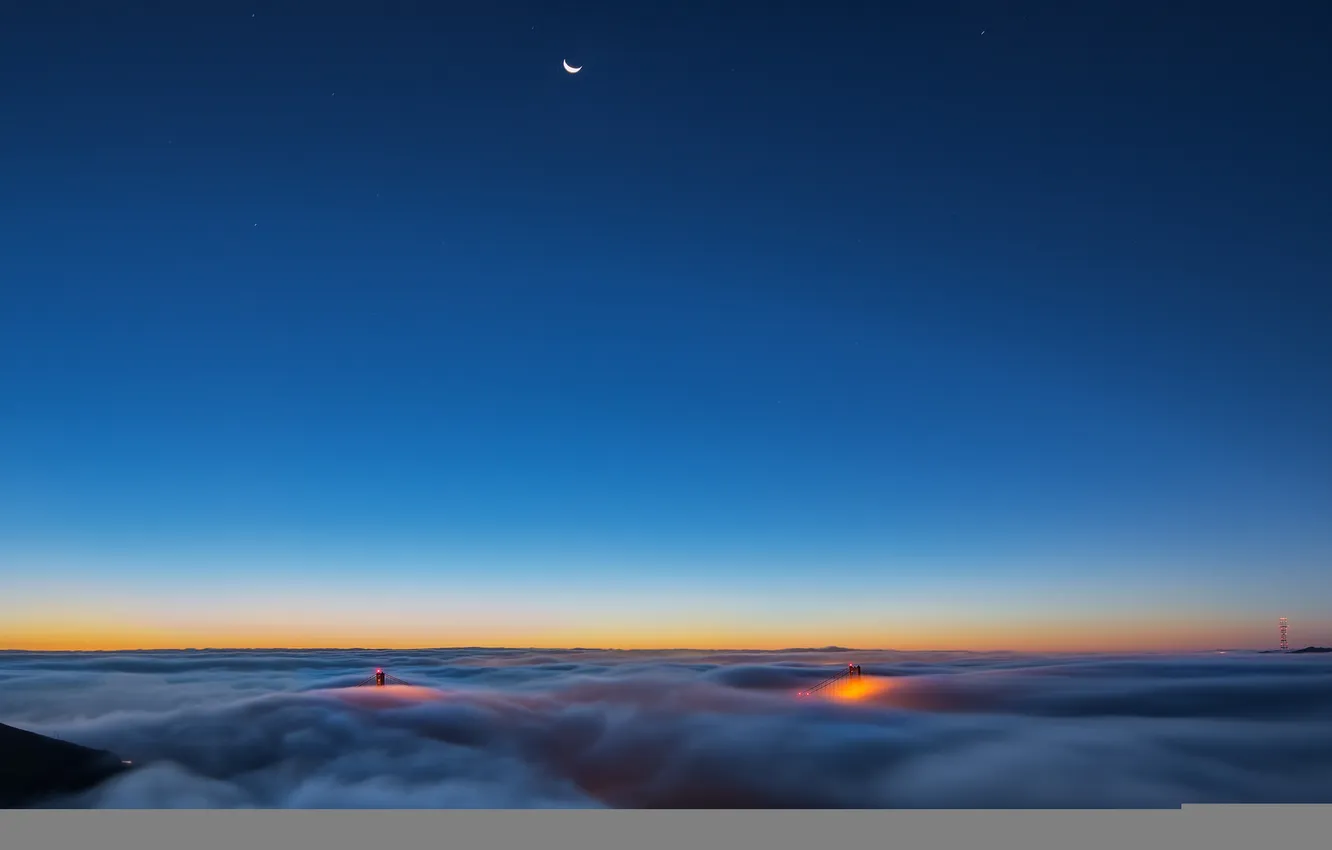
point(378, 680)
point(851, 673)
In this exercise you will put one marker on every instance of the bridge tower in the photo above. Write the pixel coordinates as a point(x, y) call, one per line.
point(379, 678)
point(1282, 625)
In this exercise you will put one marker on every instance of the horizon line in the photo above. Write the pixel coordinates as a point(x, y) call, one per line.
point(809, 649)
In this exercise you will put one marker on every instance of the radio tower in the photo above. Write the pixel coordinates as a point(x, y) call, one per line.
point(1281, 627)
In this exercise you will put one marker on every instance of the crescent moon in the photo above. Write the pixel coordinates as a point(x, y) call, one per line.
point(571, 69)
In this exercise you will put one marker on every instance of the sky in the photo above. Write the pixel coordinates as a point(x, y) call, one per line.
point(554, 729)
point(903, 325)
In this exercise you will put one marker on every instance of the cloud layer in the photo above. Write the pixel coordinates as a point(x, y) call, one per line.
point(590, 728)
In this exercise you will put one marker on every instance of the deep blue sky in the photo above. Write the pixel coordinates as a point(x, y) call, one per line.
point(906, 297)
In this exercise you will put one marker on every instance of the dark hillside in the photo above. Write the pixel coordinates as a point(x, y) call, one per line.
point(34, 766)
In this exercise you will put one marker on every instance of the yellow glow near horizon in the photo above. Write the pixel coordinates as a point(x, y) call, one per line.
point(46, 608)
point(76, 632)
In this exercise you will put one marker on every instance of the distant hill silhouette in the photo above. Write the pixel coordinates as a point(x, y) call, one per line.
point(34, 766)
point(1307, 649)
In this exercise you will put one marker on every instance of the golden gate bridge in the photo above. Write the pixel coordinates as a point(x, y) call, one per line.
point(379, 680)
point(833, 684)
point(828, 686)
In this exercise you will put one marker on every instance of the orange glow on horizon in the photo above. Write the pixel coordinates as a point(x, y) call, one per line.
point(79, 630)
